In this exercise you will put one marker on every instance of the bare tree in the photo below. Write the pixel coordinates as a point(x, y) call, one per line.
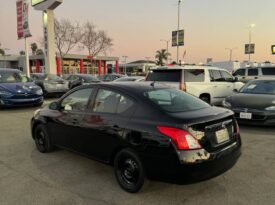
point(95, 41)
point(67, 36)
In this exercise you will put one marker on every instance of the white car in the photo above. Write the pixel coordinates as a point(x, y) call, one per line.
point(211, 84)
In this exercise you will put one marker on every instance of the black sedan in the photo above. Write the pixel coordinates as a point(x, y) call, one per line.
point(51, 84)
point(81, 79)
point(142, 129)
point(254, 103)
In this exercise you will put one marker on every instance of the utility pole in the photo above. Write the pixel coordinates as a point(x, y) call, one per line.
point(179, 2)
point(125, 58)
point(230, 52)
point(250, 37)
point(167, 45)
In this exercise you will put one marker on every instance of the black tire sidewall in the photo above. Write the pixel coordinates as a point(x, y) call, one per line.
point(48, 146)
point(129, 188)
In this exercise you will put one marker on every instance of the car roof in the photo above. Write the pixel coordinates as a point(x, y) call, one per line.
point(132, 87)
point(176, 67)
point(6, 70)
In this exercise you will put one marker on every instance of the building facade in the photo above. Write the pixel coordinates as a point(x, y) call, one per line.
point(72, 63)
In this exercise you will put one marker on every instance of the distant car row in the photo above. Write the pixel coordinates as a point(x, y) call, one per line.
point(16, 89)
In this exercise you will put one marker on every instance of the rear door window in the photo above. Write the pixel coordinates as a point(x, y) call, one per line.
point(108, 101)
point(227, 76)
point(194, 75)
point(164, 75)
point(253, 72)
point(268, 71)
point(215, 75)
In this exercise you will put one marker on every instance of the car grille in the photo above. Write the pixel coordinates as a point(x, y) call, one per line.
point(206, 133)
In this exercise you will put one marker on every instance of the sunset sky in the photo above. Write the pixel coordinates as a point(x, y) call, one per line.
point(137, 26)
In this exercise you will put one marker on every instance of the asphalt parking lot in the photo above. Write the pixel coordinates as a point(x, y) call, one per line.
point(62, 177)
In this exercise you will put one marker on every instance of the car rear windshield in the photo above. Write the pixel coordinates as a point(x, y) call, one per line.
point(268, 71)
point(259, 87)
point(172, 100)
point(13, 77)
point(194, 75)
point(169, 75)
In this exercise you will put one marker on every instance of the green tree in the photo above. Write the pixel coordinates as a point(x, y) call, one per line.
point(2, 52)
point(161, 56)
point(22, 53)
point(34, 48)
point(39, 52)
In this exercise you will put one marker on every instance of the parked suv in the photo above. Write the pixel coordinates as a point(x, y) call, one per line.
point(210, 84)
point(252, 73)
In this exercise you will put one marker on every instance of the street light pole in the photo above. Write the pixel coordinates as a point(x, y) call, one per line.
point(167, 45)
point(5, 49)
point(125, 57)
point(179, 2)
point(230, 52)
point(250, 37)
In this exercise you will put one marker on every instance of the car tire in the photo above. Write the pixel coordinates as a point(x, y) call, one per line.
point(205, 99)
point(129, 170)
point(42, 139)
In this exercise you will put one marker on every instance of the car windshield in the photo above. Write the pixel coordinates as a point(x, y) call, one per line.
point(126, 79)
point(172, 100)
point(88, 79)
point(52, 77)
point(13, 77)
point(259, 87)
point(171, 75)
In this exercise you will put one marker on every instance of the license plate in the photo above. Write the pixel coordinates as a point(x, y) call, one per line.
point(222, 136)
point(246, 115)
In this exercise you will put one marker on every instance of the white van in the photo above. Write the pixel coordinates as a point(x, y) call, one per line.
point(211, 84)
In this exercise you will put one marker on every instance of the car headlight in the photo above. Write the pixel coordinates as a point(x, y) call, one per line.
point(39, 92)
point(271, 108)
point(5, 93)
point(226, 104)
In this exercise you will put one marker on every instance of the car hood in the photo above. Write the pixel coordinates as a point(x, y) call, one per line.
point(252, 101)
point(202, 115)
point(19, 87)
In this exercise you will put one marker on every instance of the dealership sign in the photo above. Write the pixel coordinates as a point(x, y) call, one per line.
point(35, 2)
point(249, 48)
point(178, 38)
point(273, 49)
point(23, 30)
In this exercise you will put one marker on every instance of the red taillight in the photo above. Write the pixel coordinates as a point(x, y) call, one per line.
point(182, 139)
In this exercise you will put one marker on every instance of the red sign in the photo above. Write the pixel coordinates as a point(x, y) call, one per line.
point(23, 30)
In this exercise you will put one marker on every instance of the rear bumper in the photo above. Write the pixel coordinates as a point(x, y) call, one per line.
point(10, 102)
point(192, 166)
point(259, 117)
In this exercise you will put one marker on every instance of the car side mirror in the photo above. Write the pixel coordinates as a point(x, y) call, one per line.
point(235, 79)
point(55, 106)
point(235, 90)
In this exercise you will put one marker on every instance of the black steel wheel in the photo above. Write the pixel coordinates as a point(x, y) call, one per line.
point(129, 170)
point(42, 139)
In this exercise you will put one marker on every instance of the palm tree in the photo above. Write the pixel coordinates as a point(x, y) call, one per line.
point(162, 55)
point(34, 48)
